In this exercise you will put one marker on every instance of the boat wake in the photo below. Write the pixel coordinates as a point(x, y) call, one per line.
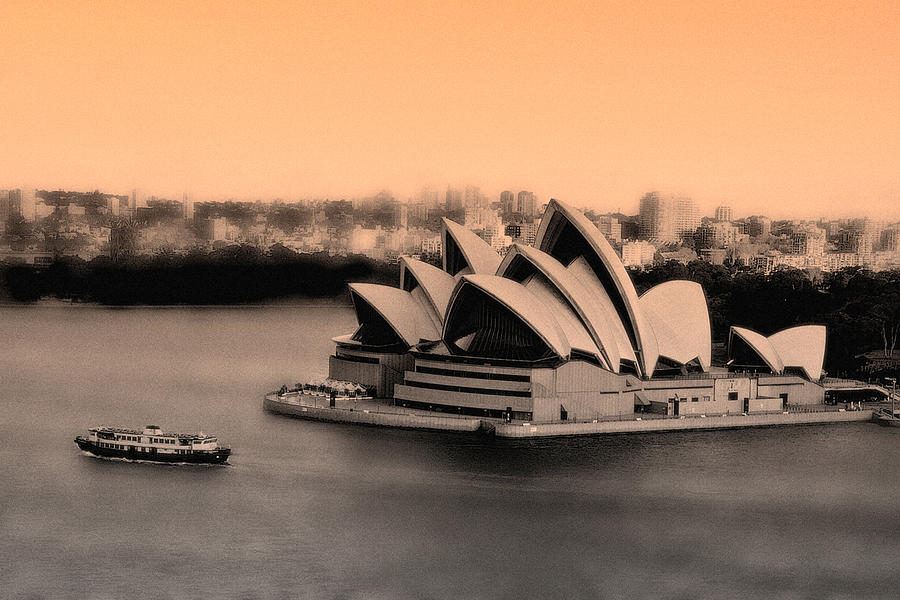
point(152, 462)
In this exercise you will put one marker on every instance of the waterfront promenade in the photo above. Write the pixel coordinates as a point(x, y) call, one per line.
point(365, 412)
point(382, 413)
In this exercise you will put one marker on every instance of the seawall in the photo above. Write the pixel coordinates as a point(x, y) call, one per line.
point(385, 415)
point(372, 416)
point(518, 430)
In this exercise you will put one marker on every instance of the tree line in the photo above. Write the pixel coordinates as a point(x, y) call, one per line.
point(860, 308)
point(230, 275)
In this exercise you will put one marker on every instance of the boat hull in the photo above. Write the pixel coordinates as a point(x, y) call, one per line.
point(218, 456)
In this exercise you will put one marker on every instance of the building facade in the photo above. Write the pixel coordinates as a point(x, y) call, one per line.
point(667, 218)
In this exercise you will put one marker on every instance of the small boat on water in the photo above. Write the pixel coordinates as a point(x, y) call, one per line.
point(153, 444)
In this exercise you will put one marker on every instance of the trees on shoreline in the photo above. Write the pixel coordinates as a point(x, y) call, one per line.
point(231, 275)
point(860, 308)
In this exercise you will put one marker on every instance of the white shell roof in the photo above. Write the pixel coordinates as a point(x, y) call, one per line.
point(405, 316)
point(803, 347)
point(645, 338)
point(522, 303)
point(419, 295)
point(621, 345)
point(590, 312)
point(555, 304)
point(761, 345)
point(437, 283)
point(478, 254)
point(679, 315)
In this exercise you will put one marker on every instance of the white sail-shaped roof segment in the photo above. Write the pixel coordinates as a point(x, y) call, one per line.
point(608, 268)
point(582, 271)
point(802, 347)
point(399, 309)
point(761, 345)
point(679, 315)
point(477, 256)
point(518, 300)
point(590, 312)
point(555, 304)
point(436, 283)
point(421, 298)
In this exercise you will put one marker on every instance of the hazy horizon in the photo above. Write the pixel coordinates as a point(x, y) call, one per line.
point(784, 110)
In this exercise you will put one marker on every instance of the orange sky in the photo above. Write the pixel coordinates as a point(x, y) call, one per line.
point(783, 108)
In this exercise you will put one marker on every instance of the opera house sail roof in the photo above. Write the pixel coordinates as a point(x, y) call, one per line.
point(801, 348)
point(567, 235)
point(464, 252)
point(494, 317)
point(679, 315)
point(389, 316)
point(566, 298)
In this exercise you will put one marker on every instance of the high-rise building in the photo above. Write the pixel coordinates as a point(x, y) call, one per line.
point(723, 213)
point(402, 218)
point(22, 202)
point(667, 218)
point(138, 199)
point(890, 239)
point(4, 206)
point(507, 202)
point(526, 203)
point(454, 200)
point(474, 198)
point(187, 207)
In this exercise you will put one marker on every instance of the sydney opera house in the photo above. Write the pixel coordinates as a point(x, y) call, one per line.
point(556, 332)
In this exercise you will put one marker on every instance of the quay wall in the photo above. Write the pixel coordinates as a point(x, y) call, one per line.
point(518, 430)
point(370, 417)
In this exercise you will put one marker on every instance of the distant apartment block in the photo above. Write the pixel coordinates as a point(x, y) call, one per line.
point(610, 227)
point(718, 234)
point(526, 203)
point(809, 242)
point(507, 202)
point(667, 218)
point(18, 202)
point(723, 213)
point(638, 253)
point(758, 225)
point(890, 240)
point(187, 207)
point(215, 229)
point(453, 200)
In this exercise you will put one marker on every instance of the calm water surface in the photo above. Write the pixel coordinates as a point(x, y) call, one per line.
point(313, 510)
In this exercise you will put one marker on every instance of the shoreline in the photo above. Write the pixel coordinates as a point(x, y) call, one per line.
point(60, 303)
point(373, 412)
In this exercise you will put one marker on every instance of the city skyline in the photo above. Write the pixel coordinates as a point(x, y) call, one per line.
point(780, 110)
point(631, 207)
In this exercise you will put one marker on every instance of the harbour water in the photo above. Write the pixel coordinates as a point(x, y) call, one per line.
point(317, 510)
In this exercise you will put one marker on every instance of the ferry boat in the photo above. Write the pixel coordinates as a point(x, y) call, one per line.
point(153, 444)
